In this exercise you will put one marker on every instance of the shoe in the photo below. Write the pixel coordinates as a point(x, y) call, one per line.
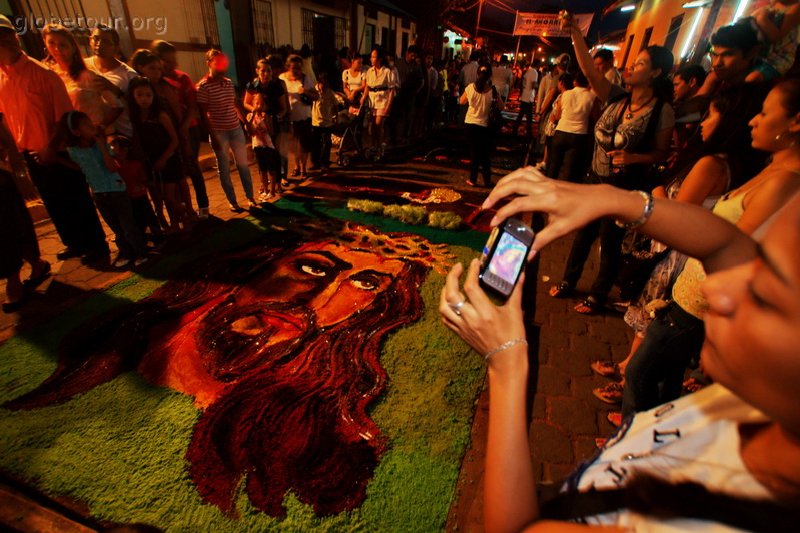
point(295, 173)
point(471, 183)
point(13, 307)
point(140, 261)
point(589, 306)
point(121, 262)
point(614, 418)
point(251, 203)
point(235, 208)
point(202, 213)
point(285, 182)
point(610, 394)
point(561, 290)
point(67, 253)
point(95, 256)
point(607, 369)
point(263, 196)
point(33, 282)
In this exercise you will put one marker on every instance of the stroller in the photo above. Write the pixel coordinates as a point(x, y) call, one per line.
point(350, 128)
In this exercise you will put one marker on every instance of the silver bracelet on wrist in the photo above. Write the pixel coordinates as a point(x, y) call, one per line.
point(505, 346)
point(646, 212)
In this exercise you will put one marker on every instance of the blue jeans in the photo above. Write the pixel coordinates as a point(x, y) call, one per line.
point(226, 141)
point(655, 374)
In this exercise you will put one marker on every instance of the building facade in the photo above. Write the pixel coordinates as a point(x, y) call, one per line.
point(683, 26)
point(244, 29)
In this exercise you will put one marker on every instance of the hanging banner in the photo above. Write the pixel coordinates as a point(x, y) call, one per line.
point(547, 24)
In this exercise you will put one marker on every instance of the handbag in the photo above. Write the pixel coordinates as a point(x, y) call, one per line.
point(636, 267)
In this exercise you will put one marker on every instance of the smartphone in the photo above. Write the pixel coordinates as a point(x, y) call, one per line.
point(504, 256)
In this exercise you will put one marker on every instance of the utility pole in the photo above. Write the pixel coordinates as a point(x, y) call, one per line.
point(478, 22)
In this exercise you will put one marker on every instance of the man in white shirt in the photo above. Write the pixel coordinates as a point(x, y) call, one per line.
point(527, 96)
point(502, 78)
point(604, 63)
point(105, 46)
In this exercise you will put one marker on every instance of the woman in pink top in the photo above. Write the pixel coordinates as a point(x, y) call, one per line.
point(90, 92)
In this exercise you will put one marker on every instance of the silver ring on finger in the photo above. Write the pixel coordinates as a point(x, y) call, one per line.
point(457, 307)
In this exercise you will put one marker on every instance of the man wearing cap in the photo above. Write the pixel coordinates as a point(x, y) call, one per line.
point(33, 99)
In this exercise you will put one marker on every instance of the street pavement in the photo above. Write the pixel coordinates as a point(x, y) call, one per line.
point(565, 416)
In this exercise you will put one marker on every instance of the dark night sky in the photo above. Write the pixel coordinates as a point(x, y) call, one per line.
point(497, 18)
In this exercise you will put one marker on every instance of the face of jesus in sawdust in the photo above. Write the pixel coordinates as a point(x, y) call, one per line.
point(313, 288)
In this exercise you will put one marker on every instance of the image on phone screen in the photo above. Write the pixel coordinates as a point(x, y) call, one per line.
point(508, 258)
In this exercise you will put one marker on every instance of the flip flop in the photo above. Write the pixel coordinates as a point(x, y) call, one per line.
point(607, 369)
point(561, 290)
point(589, 306)
point(33, 282)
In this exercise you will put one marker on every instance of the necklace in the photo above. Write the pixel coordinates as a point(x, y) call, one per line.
point(631, 110)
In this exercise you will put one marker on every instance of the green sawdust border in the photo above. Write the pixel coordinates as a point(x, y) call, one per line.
point(135, 470)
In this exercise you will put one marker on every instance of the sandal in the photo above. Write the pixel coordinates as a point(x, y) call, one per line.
point(589, 306)
point(561, 290)
point(471, 183)
point(610, 394)
point(607, 369)
point(614, 418)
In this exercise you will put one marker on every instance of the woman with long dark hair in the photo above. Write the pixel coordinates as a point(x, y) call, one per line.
point(90, 93)
point(727, 161)
point(155, 132)
point(480, 97)
point(632, 134)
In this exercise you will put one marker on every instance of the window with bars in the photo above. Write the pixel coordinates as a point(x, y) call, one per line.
point(321, 31)
point(65, 11)
point(202, 24)
point(341, 32)
point(262, 23)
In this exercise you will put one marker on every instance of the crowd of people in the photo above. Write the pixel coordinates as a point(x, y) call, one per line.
point(701, 181)
point(676, 173)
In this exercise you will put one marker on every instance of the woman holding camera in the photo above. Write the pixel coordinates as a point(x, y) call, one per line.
point(723, 458)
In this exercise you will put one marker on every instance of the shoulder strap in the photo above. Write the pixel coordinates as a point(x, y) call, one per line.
point(687, 500)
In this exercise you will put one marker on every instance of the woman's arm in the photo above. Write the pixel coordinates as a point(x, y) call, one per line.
point(165, 121)
point(772, 32)
point(599, 83)
point(110, 163)
point(571, 206)
point(509, 489)
point(247, 101)
point(555, 116)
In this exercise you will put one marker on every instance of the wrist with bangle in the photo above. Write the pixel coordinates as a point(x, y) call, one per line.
point(647, 212)
point(503, 347)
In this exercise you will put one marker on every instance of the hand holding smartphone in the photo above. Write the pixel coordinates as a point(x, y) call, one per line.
point(504, 256)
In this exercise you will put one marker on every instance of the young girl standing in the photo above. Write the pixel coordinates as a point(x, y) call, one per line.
point(155, 133)
point(269, 164)
point(87, 147)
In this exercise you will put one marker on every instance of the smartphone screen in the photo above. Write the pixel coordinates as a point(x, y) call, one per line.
point(508, 258)
point(504, 256)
